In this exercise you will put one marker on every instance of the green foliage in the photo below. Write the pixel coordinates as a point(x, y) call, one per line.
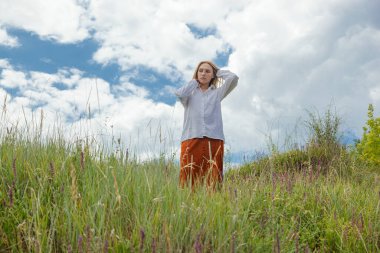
point(323, 145)
point(324, 130)
point(323, 152)
point(60, 199)
point(291, 160)
point(369, 146)
point(322, 149)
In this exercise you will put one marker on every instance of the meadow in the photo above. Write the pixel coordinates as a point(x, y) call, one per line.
point(61, 196)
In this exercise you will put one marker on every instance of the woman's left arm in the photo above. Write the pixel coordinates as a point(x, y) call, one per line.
point(230, 82)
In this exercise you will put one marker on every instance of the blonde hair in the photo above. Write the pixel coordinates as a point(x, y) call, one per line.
point(215, 80)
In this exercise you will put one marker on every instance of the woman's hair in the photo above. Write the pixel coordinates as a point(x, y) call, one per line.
point(215, 80)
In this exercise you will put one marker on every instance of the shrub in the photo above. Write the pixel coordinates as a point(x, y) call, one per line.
point(322, 152)
point(369, 146)
point(323, 145)
point(324, 130)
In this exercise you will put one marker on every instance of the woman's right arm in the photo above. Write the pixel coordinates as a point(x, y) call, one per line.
point(185, 91)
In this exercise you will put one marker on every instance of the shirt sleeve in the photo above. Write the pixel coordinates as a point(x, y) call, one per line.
point(230, 82)
point(185, 91)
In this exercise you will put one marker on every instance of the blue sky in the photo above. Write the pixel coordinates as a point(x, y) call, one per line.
point(48, 56)
point(122, 62)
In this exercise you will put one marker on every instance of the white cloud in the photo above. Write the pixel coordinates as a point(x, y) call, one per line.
point(298, 57)
point(61, 20)
point(289, 55)
point(375, 94)
point(126, 111)
point(126, 88)
point(6, 39)
point(4, 63)
point(154, 35)
point(13, 79)
point(4, 96)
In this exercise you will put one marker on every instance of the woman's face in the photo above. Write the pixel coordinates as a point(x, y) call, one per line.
point(205, 74)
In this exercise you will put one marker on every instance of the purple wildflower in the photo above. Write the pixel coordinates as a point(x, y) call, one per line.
point(142, 237)
point(14, 168)
point(10, 194)
point(105, 249)
point(80, 244)
point(198, 245)
point(82, 159)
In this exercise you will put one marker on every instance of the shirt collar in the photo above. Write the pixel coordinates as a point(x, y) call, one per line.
point(212, 86)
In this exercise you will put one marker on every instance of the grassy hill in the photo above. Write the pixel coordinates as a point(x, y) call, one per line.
point(57, 196)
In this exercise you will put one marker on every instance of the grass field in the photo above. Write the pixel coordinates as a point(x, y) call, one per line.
point(57, 196)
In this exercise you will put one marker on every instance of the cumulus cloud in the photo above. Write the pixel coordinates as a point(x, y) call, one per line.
point(374, 93)
point(156, 35)
point(6, 39)
point(4, 63)
point(63, 20)
point(290, 56)
point(13, 79)
point(86, 107)
point(300, 57)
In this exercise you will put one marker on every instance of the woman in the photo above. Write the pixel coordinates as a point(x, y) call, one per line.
point(202, 142)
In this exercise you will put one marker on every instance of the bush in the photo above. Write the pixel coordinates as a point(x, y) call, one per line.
point(369, 146)
point(324, 130)
point(322, 152)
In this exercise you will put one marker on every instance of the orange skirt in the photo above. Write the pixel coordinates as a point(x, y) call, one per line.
point(201, 159)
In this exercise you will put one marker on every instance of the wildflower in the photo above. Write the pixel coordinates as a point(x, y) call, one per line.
point(14, 168)
point(82, 159)
point(154, 245)
point(198, 245)
point(142, 239)
point(80, 244)
point(10, 193)
point(105, 249)
point(88, 234)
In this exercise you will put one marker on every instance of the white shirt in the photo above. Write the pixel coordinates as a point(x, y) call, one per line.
point(203, 114)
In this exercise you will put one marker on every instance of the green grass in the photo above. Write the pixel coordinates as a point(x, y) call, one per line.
point(57, 196)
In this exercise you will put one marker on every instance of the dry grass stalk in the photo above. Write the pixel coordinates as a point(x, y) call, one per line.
point(116, 186)
point(75, 196)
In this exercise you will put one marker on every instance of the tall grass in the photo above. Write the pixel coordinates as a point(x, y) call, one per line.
point(57, 196)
